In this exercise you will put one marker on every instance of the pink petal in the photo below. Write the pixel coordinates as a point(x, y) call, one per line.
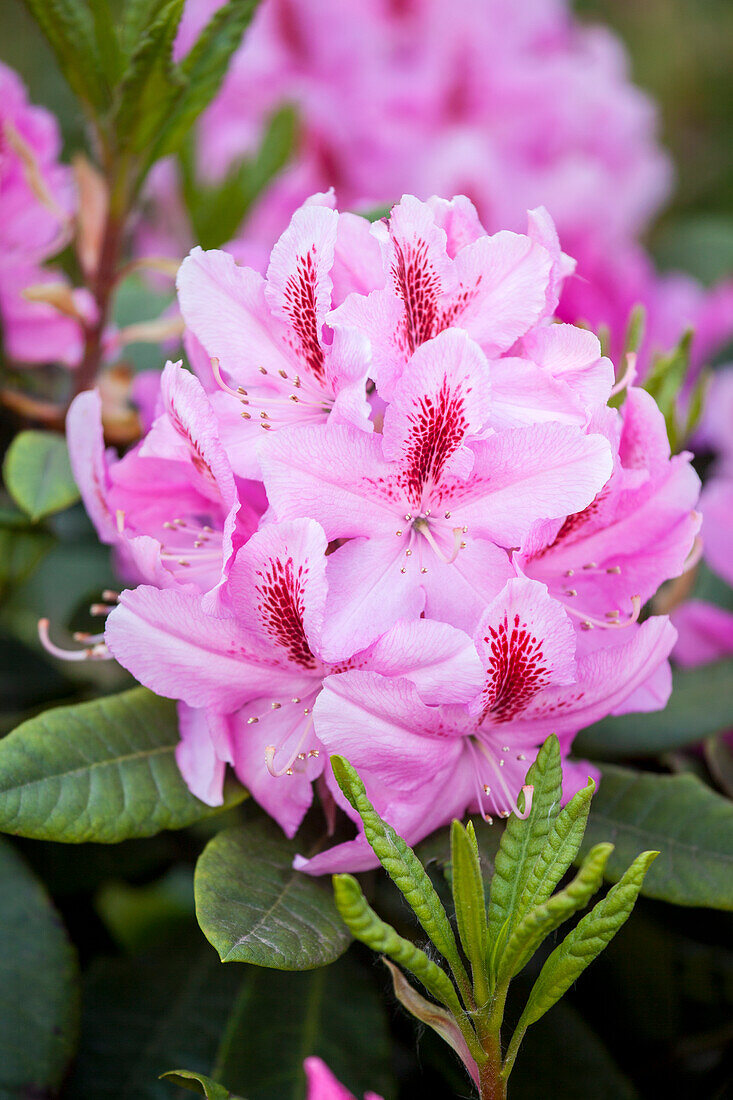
point(440, 661)
point(85, 437)
point(526, 642)
point(202, 753)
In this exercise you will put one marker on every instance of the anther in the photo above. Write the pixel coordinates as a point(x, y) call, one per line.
point(408, 553)
point(571, 592)
point(501, 763)
point(521, 756)
point(424, 569)
point(569, 573)
point(398, 533)
point(262, 370)
point(251, 721)
point(306, 710)
point(283, 373)
point(505, 748)
point(314, 753)
point(111, 595)
point(295, 699)
point(585, 625)
point(403, 570)
point(487, 789)
point(276, 706)
point(246, 416)
point(591, 565)
point(447, 515)
point(301, 755)
point(614, 569)
point(408, 517)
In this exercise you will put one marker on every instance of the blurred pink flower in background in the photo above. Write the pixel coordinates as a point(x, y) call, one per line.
point(322, 1085)
point(37, 204)
point(510, 104)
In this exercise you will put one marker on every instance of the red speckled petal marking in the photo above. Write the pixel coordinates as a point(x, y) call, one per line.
point(300, 295)
point(281, 603)
point(418, 284)
point(517, 669)
point(438, 428)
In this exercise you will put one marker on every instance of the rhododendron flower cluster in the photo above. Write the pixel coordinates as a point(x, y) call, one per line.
point(37, 201)
point(394, 517)
point(511, 104)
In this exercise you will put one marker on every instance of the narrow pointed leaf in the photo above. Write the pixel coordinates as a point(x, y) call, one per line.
point(253, 907)
point(539, 922)
point(437, 1018)
point(151, 82)
point(202, 72)
point(688, 823)
point(368, 928)
point(403, 867)
point(563, 845)
point(103, 771)
point(589, 937)
point(37, 474)
point(469, 900)
point(69, 30)
point(522, 843)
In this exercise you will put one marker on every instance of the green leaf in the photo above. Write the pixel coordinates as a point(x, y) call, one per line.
point(137, 15)
point(700, 706)
point(368, 928)
point(145, 1014)
point(38, 474)
point(69, 30)
point(403, 867)
point(22, 548)
point(586, 941)
point(336, 1013)
point(151, 82)
point(253, 907)
point(38, 985)
point(690, 825)
point(202, 72)
point(198, 1082)
point(563, 845)
point(522, 842)
point(105, 36)
point(103, 771)
point(539, 922)
point(470, 902)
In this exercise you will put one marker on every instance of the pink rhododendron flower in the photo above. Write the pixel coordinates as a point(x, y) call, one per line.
point(322, 1085)
point(401, 585)
point(170, 507)
point(267, 336)
point(254, 672)
point(37, 201)
point(423, 765)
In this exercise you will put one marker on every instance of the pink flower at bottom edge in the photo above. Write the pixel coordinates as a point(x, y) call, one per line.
point(322, 1085)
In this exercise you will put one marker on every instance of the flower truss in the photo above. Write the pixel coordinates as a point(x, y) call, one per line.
point(393, 518)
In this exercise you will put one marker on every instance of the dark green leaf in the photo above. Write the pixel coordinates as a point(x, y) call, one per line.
point(253, 907)
point(198, 1082)
point(69, 30)
point(143, 1015)
point(38, 986)
point(38, 474)
point(690, 825)
point(105, 36)
point(469, 901)
point(137, 15)
point(21, 550)
point(151, 83)
point(701, 704)
point(335, 1013)
point(102, 771)
point(202, 71)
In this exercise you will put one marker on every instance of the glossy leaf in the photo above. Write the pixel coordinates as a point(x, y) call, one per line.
point(103, 771)
point(403, 867)
point(700, 706)
point(38, 985)
point(522, 842)
point(690, 825)
point(586, 941)
point(719, 758)
point(253, 907)
point(38, 475)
